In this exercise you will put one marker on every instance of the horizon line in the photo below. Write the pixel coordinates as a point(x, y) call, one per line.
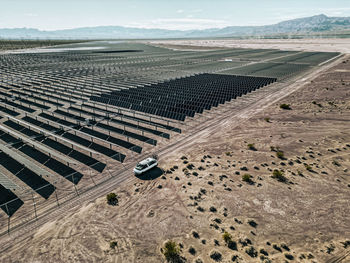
point(156, 28)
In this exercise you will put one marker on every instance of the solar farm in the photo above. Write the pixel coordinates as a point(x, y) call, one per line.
point(74, 116)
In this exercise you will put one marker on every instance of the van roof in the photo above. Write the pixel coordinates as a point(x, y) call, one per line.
point(147, 160)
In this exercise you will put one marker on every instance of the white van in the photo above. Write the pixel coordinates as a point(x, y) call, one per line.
point(145, 165)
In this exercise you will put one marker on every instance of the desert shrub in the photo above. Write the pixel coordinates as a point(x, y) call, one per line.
point(200, 209)
point(335, 163)
point(195, 173)
point(227, 237)
point(264, 252)
point(234, 258)
point(251, 146)
point(308, 167)
point(195, 234)
point(171, 251)
point(267, 119)
point(252, 223)
point(277, 174)
point(216, 256)
point(265, 259)
point(112, 199)
point(251, 251)
point(285, 106)
point(289, 256)
point(238, 221)
point(232, 245)
point(330, 249)
point(228, 153)
point(276, 247)
point(280, 154)
point(214, 226)
point(113, 244)
point(217, 220)
point(245, 242)
point(190, 166)
point(247, 178)
point(346, 243)
point(284, 246)
point(192, 251)
point(318, 104)
point(212, 209)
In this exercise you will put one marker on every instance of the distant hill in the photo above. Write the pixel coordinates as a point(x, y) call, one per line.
point(320, 24)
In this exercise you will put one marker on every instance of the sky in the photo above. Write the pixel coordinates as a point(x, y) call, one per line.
point(165, 14)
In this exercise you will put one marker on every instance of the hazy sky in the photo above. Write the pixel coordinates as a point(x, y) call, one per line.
point(175, 14)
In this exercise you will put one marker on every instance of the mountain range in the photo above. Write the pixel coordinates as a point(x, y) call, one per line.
point(314, 25)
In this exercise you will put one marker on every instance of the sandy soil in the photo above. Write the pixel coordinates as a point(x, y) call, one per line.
point(326, 45)
point(201, 194)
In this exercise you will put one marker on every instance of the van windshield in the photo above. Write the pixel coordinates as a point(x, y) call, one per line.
point(140, 166)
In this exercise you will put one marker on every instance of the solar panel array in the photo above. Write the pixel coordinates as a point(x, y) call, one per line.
point(70, 116)
point(179, 98)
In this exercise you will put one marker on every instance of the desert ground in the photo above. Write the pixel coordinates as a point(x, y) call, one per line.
point(323, 45)
point(298, 215)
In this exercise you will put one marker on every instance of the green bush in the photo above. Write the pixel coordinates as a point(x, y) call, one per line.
point(308, 167)
point(277, 174)
point(247, 178)
point(280, 154)
point(171, 251)
point(112, 199)
point(227, 237)
point(251, 146)
point(113, 244)
point(285, 106)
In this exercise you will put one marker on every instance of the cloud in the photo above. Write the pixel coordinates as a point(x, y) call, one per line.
point(180, 11)
point(187, 23)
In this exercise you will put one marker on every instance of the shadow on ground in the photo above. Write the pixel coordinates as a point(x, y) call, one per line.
point(151, 174)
